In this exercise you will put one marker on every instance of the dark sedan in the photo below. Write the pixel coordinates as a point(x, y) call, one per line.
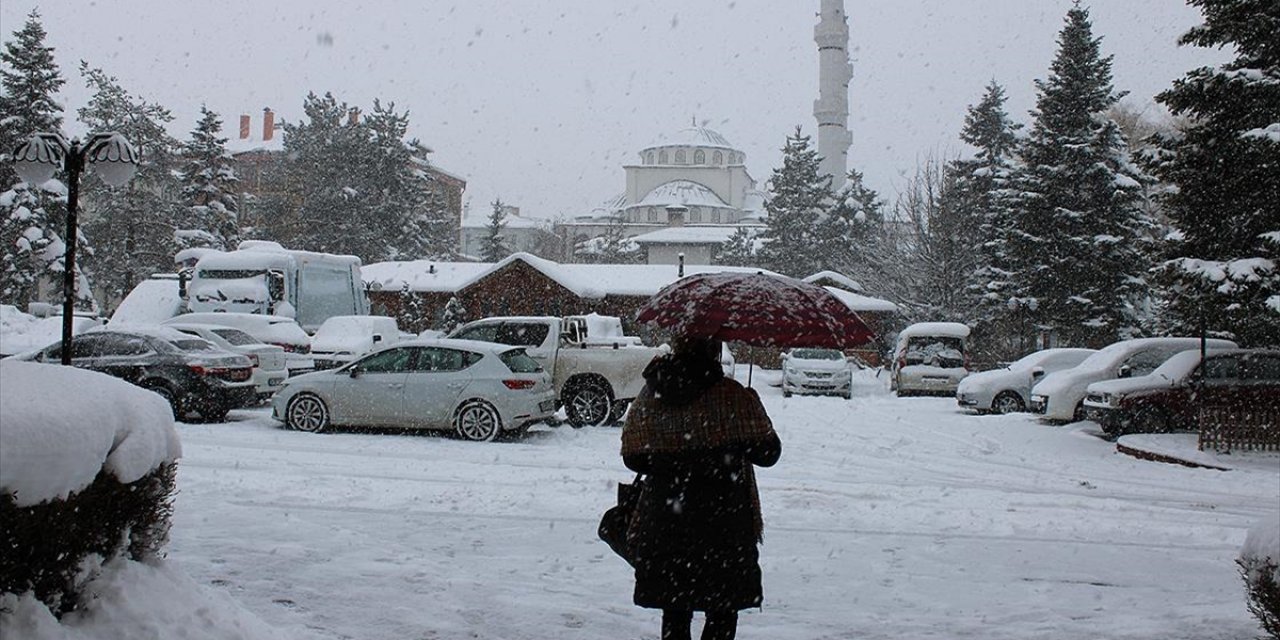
point(190, 372)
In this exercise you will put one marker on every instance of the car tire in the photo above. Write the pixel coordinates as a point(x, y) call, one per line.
point(307, 412)
point(1148, 420)
point(1007, 402)
point(588, 404)
point(166, 392)
point(477, 421)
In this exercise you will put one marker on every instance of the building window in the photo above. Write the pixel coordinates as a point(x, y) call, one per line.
point(695, 214)
point(662, 157)
point(717, 158)
point(715, 216)
point(679, 156)
point(648, 158)
point(653, 215)
point(699, 157)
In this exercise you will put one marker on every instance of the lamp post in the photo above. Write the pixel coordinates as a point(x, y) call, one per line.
point(37, 159)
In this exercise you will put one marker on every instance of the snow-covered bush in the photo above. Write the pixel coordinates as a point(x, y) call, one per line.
point(1260, 567)
point(86, 475)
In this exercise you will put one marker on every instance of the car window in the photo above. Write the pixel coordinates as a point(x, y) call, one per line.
point(1262, 367)
point(522, 334)
point(1222, 368)
point(193, 345)
point(235, 336)
point(441, 359)
point(481, 332)
point(1146, 361)
point(123, 345)
point(519, 362)
point(85, 346)
point(389, 361)
point(938, 351)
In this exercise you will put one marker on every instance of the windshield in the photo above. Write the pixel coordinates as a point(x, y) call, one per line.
point(230, 274)
point(519, 362)
point(193, 345)
point(235, 336)
point(817, 354)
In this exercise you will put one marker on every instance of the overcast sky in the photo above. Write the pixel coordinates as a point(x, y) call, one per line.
point(540, 102)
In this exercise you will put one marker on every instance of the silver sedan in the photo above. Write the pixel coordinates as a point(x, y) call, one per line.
point(477, 389)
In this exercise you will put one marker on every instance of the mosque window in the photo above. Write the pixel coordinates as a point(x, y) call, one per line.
point(717, 158)
point(662, 157)
point(695, 214)
point(715, 216)
point(699, 157)
point(648, 158)
point(679, 156)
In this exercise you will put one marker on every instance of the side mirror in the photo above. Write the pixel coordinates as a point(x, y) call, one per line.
point(1125, 371)
point(1037, 372)
point(354, 372)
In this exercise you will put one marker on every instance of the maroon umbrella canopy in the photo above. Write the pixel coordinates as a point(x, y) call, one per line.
point(756, 309)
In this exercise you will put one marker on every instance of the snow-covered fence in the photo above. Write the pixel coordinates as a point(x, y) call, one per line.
point(87, 467)
point(1240, 428)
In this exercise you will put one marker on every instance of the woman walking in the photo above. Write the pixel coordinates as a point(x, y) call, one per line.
point(696, 436)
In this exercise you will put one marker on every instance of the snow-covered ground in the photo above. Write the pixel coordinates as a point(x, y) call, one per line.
point(885, 518)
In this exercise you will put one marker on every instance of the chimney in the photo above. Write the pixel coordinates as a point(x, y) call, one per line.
point(244, 126)
point(680, 273)
point(675, 215)
point(268, 123)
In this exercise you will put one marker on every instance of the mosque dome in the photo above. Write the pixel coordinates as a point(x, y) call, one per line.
point(693, 137)
point(693, 146)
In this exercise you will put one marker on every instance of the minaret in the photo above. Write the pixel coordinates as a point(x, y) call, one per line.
point(831, 109)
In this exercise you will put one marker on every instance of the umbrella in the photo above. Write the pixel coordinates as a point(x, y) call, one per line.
point(757, 309)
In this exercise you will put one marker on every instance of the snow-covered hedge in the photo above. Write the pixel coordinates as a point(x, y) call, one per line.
point(1260, 566)
point(86, 475)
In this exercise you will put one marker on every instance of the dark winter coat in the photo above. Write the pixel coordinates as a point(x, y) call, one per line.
point(694, 536)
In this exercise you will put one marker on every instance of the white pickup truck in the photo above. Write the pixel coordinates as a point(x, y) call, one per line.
point(596, 370)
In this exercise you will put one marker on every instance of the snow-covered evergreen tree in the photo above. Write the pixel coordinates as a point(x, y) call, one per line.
point(131, 227)
point(850, 226)
point(801, 196)
point(1073, 239)
point(208, 189)
point(413, 311)
point(495, 247)
point(1223, 268)
point(433, 225)
point(616, 247)
point(453, 316)
point(31, 216)
point(738, 251)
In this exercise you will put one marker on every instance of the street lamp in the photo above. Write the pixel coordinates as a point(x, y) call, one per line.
point(37, 159)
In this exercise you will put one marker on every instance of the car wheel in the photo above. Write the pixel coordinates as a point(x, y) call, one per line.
point(1078, 414)
point(169, 396)
point(1008, 402)
point(1149, 420)
point(588, 404)
point(307, 412)
point(477, 421)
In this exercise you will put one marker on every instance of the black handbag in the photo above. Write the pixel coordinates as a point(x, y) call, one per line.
point(617, 519)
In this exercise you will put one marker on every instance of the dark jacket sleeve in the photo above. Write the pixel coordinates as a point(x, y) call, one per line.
point(764, 453)
point(639, 462)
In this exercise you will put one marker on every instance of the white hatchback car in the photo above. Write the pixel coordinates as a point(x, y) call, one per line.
point(269, 362)
point(1060, 396)
point(477, 389)
point(816, 371)
point(1009, 389)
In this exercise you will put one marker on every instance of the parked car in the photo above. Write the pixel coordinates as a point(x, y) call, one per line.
point(1169, 398)
point(931, 358)
point(191, 373)
point(477, 389)
point(277, 330)
point(269, 362)
point(1008, 389)
point(816, 371)
point(1060, 396)
point(341, 339)
point(597, 370)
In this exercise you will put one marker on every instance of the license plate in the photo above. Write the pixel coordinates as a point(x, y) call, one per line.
point(275, 382)
point(546, 405)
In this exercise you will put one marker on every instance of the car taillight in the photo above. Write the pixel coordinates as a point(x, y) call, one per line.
point(235, 374)
point(292, 348)
point(519, 384)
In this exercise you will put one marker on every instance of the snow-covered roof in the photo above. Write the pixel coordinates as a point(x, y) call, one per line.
point(53, 442)
point(422, 275)
point(681, 192)
point(693, 137)
point(836, 277)
point(955, 329)
point(689, 234)
point(859, 302)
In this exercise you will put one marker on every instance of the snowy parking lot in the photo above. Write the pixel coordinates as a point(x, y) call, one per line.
point(885, 518)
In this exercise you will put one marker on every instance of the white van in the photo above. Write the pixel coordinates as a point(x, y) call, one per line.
point(931, 358)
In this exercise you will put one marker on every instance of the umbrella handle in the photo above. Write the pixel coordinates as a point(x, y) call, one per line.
point(750, 367)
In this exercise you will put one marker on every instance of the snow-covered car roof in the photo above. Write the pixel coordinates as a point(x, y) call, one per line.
point(1032, 359)
point(150, 302)
point(455, 343)
point(949, 329)
point(1114, 353)
point(357, 324)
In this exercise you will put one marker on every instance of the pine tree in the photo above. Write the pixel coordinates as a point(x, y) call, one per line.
point(616, 247)
point(850, 226)
point(1073, 239)
point(495, 248)
point(738, 251)
point(413, 310)
point(1223, 268)
point(454, 315)
point(208, 189)
point(433, 226)
point(801, 197)
point(132, 227)
point(31, 216)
